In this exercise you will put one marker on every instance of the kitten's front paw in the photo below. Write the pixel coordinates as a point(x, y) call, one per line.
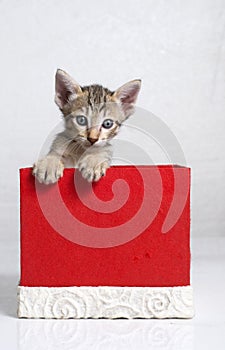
point(48, 170)
point(93, 172)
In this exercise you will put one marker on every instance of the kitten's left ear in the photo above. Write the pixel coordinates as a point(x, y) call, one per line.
point(66, 88)
point(127, 94)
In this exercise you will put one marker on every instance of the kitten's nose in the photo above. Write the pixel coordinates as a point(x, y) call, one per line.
point(92, 140)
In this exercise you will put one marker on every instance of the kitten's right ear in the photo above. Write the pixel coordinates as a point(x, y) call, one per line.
point(66, 88)
point(127, 94)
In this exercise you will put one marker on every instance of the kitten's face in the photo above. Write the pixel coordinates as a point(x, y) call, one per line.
point(93, 114)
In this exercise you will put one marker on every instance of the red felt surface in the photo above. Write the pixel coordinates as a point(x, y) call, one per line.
point(151, 259)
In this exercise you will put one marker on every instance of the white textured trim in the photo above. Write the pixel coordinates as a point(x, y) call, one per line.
point(105, 302)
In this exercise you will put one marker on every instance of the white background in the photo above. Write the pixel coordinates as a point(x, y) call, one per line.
point(176, 47)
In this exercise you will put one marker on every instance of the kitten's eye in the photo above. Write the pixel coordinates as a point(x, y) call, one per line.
point(107, 124)
point(81, 120)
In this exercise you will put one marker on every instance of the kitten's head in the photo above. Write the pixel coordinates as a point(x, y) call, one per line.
point(93, 114)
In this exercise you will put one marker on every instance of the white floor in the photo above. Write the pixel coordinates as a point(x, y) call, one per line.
point(205, 331)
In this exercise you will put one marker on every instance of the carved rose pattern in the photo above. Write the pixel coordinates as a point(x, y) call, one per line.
point(107, 302)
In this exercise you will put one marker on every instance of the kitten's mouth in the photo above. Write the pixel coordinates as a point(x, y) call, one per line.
point(89, 142)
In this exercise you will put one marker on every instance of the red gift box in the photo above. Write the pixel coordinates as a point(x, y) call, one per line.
point(77, 234)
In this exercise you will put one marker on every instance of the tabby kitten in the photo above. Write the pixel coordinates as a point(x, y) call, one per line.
point(92, 117)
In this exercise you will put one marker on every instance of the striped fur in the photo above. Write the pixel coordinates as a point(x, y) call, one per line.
point(86, 146)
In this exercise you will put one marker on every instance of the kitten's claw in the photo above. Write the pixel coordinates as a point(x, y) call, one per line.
point(48, 170)
point(93, 172)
